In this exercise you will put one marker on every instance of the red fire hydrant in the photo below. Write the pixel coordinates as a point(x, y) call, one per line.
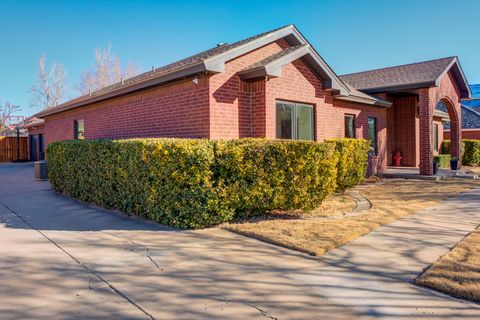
point(396, 158)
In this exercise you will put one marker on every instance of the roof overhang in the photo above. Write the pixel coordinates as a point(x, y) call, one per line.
point(366, 99)
point(215, 64)
point(455, 69)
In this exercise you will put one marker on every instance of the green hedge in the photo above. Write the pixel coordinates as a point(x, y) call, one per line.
point(470, 151)
point(443, 160)
point(263, 175)
point(352, 161)
point(197, 183)
point(165, 180)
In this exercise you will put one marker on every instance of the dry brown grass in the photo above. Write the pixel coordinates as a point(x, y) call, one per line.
point(391, 201)
point(472, 169)
point(334, 205)
point(458, 272)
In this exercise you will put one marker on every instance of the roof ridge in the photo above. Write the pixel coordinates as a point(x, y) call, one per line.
point(471, 110)
point(151, 73)
point(397, 66)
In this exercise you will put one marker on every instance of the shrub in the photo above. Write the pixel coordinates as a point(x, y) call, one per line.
point(352, 161)
point(443, 160)
point(263, 175)
point(190, 183)
point(470, 151)
point(165, 180)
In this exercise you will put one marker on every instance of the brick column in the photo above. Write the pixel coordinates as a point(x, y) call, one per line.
point(426, 107)
point(456, 133)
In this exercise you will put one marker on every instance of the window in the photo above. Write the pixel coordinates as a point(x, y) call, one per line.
point(372, 135)
point(78, 130)
point(435, 137)
point(294, 121)
point(349, 126)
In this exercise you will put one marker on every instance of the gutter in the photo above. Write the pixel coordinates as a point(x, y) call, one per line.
point(372, 102)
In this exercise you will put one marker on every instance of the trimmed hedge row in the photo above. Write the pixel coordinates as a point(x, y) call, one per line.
point(198, 183)
point(470, 151)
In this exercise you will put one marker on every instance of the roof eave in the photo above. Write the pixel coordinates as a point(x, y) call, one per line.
point(397, 88)
point(460, 77)
point(372, 101)
point(178, 74)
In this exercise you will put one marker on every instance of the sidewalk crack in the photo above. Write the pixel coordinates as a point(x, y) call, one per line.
point(112, 287)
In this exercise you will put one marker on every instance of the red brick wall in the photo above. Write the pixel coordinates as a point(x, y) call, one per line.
point(230, 105)
point(179, 110)
point(220, 106)
point(334, 127)
point(406, 130)
point(466, 134)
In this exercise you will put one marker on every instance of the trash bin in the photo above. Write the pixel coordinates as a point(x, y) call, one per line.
point(41, 170)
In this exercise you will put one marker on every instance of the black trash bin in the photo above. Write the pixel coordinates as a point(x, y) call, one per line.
point(41, 170)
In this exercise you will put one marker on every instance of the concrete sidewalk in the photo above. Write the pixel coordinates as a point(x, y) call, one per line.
point(62, 259)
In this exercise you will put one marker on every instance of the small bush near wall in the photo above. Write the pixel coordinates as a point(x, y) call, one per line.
point(198, 183)
point(470, 151)
point(443, 160)
point(352, 161)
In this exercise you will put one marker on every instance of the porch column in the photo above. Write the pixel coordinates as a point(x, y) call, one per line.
point(426, 107)
point(456, 135)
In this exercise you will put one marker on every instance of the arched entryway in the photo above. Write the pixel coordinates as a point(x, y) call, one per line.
point(428, 100)
point(447, 105)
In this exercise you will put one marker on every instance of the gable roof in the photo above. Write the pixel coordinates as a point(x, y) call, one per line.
point(209, 61)
point(271, 66)
point(470, 117)
point(408, 76)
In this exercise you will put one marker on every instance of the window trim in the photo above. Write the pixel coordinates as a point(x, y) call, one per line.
point(294, 122)
point(374, 152)
point(353, 117)
point(76, 131)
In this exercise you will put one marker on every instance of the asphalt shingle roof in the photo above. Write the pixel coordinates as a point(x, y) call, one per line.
point(470, 117)
point(415, 73)
point(178, 65)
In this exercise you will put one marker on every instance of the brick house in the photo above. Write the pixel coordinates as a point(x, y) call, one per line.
point(273, 85)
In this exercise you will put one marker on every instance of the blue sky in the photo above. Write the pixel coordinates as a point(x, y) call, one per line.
point(350, 35)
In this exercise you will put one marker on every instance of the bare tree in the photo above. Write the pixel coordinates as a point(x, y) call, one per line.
point(49, 89)
point(7, 110)
point(107, 70)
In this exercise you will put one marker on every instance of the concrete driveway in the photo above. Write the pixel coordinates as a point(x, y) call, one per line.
point(62, 259)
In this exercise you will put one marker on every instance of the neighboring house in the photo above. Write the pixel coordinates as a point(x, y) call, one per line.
point(274, 85)
point(36, 144)
point(470, 116)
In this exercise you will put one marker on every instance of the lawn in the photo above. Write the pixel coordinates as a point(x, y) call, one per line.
point(458, 272)
point(472, 169)
point(391, 200)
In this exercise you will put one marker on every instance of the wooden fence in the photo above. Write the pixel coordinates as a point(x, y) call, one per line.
point(9, 149)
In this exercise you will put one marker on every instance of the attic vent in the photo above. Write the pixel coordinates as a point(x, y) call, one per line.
point(221, 44)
